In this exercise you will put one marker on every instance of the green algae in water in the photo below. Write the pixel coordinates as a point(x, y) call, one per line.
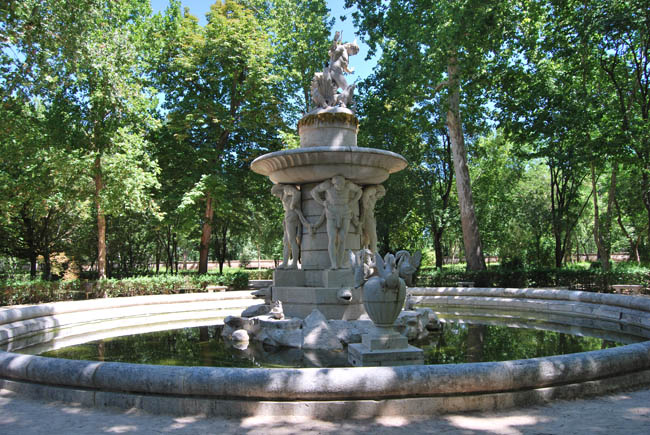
point(203, 346)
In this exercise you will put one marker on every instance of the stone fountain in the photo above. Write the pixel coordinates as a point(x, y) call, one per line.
point(328, 188)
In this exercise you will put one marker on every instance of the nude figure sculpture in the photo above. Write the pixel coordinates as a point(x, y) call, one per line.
point(337, 197)
point(371, 195)
point(293, 218)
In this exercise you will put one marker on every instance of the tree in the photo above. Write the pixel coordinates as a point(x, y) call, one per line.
point(436, 178)
point(444, 47)
point(301, 40)
point(218, 90)
point(39, 192)
point(549, 106)
point(624, 51)
point(82, 58)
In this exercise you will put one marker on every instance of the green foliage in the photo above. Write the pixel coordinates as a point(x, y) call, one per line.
point(238, 280)
point(107, 110)
point(578, 279)
point(15, 292)
point(259, 274)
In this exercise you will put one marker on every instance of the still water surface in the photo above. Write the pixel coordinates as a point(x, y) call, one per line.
point(457, 342)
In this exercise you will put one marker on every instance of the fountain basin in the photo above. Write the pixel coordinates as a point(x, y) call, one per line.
point(328, 393)
point(317, 163)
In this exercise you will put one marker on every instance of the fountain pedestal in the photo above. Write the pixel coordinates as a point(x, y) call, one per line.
point(329, 188)
point(384, 347)
point(328, 149)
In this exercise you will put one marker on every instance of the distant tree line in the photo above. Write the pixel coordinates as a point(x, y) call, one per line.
point(127, 136)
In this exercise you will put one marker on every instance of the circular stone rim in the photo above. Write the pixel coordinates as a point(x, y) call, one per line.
point(386, 163)
point(406, 390)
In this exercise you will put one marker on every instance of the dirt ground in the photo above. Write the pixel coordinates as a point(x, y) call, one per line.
point(624, 413)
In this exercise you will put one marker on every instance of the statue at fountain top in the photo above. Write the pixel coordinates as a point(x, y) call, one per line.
point(293, 217)
point(325, 85)
point(336, 196)
point(340, 59)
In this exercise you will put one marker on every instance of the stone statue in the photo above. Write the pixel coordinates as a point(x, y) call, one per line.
point(276, 310)
point(362, 266)
point(325, 85)
point(384, 292)
point(293, 217)
point(340, 59)
point(322, 91)
point(371, 195)
point(407, 265)
point(336, 196)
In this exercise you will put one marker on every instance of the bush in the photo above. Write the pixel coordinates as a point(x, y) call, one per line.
point(577, 279)
point(259, 274)
point(238, 280)
point(35, 292)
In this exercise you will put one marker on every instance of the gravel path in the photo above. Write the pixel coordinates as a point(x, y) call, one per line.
point(624, 413)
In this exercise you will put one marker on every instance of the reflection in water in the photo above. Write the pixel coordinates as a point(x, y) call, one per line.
point(475, 337)
point(462, 342)
point(457, 342)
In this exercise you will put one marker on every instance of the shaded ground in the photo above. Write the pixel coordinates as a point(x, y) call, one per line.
point(624, 413)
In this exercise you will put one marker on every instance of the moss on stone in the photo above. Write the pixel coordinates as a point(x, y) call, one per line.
point(331, 118)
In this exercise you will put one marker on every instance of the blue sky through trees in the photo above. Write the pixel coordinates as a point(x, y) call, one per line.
point(363, 68)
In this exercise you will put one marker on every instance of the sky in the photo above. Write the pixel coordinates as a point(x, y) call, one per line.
point(363, 68)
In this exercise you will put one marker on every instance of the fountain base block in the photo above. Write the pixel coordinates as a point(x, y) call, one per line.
point(360, 356)
point(289, 277)
point(384, 347)
point(333, 302)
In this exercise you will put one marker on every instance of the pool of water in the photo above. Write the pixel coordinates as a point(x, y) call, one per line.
point(460, 340)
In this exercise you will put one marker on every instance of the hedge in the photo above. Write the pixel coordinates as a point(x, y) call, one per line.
point(35, 292)
point(577, 279)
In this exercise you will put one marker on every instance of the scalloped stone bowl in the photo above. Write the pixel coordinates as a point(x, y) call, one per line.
point(317, 163)
point(319, 393)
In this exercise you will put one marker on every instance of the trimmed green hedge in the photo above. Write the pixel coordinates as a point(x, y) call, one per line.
point(259, 274)
point(34, 292)
point(579, 279)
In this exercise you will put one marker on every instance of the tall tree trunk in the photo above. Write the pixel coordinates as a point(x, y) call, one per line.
point(597, 234)
point(101, 220)
point(602, 229)
point(437, 246)
point(646, 196)
point(204, 247)
point(30, 239)
point(47, 265)
point(475, 342)
point(471, 236)
point(611, 198)
point(634, 244)
point(555, 211)
point(157, 258)
point(221, 245)
point(175, 239)
point(33, 260)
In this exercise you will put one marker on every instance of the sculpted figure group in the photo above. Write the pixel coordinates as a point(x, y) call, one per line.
point(344, 203)
point(325, 85)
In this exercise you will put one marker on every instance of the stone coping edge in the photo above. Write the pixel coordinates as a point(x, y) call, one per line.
point(640, 303)
point(14, 313)
point(327, 410)
point(328, 384)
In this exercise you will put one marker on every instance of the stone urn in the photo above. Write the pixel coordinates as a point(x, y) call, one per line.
point(384, 293)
